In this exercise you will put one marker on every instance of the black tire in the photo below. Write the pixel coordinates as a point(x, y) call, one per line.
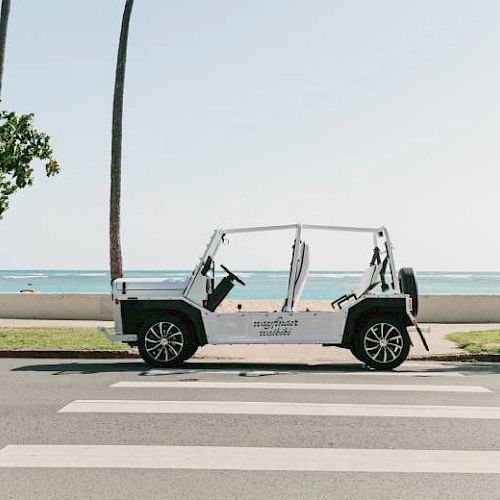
point(408, 285)
point(382, 343)
point(354, 352)
point(165, 341)
point(194, 348)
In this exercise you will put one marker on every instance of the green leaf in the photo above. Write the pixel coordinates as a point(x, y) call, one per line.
point(20, 145)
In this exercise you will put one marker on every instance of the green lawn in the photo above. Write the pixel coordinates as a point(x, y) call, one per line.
point(477, 342)
point(57, 339)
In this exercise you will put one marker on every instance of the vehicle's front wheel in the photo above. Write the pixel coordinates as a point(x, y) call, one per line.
point(165, 341)
point(382, 343)
point(354, 352)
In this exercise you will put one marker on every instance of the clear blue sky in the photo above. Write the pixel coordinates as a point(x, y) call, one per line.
point(261, 112)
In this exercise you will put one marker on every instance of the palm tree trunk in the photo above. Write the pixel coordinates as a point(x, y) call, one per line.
point(115, 251)
point(4, 21)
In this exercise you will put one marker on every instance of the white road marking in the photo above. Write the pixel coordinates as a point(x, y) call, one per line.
point(262, 373)
point(246, 458)
point(298, 386)
point(274, 408)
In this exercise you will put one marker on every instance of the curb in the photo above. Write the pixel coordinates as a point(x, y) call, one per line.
point(459, 358)
point(19, 353)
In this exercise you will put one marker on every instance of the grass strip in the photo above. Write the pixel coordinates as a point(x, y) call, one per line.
point(57, 339)
point(487, 342)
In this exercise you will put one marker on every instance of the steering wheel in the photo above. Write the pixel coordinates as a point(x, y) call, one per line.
point(233, 276)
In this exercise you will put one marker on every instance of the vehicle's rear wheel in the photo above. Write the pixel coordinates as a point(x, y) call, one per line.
point(382, 343)
point(165, 341)
point(194, 348)
point(408, 285)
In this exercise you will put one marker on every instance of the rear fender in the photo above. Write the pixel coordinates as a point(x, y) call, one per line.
point(370, 308)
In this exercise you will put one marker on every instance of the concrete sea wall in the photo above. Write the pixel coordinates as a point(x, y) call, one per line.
point(55, 306)
point(459, 309)
point(433, 308)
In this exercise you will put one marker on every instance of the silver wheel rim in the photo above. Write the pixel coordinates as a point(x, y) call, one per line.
point(383, 343)
point(164, 341)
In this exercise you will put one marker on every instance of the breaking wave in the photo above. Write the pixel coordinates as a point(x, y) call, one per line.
point(25, 276)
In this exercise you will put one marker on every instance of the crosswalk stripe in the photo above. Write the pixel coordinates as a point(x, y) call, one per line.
point(249, 458)
point(298, 386)
point(333, 373)
point(282, 408)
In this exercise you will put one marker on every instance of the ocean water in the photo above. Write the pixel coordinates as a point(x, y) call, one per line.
point(259, 284)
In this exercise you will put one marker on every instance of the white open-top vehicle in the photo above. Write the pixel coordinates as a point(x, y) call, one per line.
point(168, 320)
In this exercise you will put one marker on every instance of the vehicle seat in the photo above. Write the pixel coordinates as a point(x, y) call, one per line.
point(303, 272)
point(368, 282)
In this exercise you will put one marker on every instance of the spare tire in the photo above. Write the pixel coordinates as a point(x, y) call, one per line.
point(408, 285)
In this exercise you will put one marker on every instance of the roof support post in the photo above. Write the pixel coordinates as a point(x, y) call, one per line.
point(392, 265)
point(293, 270)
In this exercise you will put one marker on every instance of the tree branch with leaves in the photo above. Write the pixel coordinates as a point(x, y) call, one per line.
point(20, 145)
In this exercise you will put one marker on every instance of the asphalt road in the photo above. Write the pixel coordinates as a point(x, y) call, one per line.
point(332, 431)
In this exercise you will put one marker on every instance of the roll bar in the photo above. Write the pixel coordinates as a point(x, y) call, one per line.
point(351, 229)
point(218, 237)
